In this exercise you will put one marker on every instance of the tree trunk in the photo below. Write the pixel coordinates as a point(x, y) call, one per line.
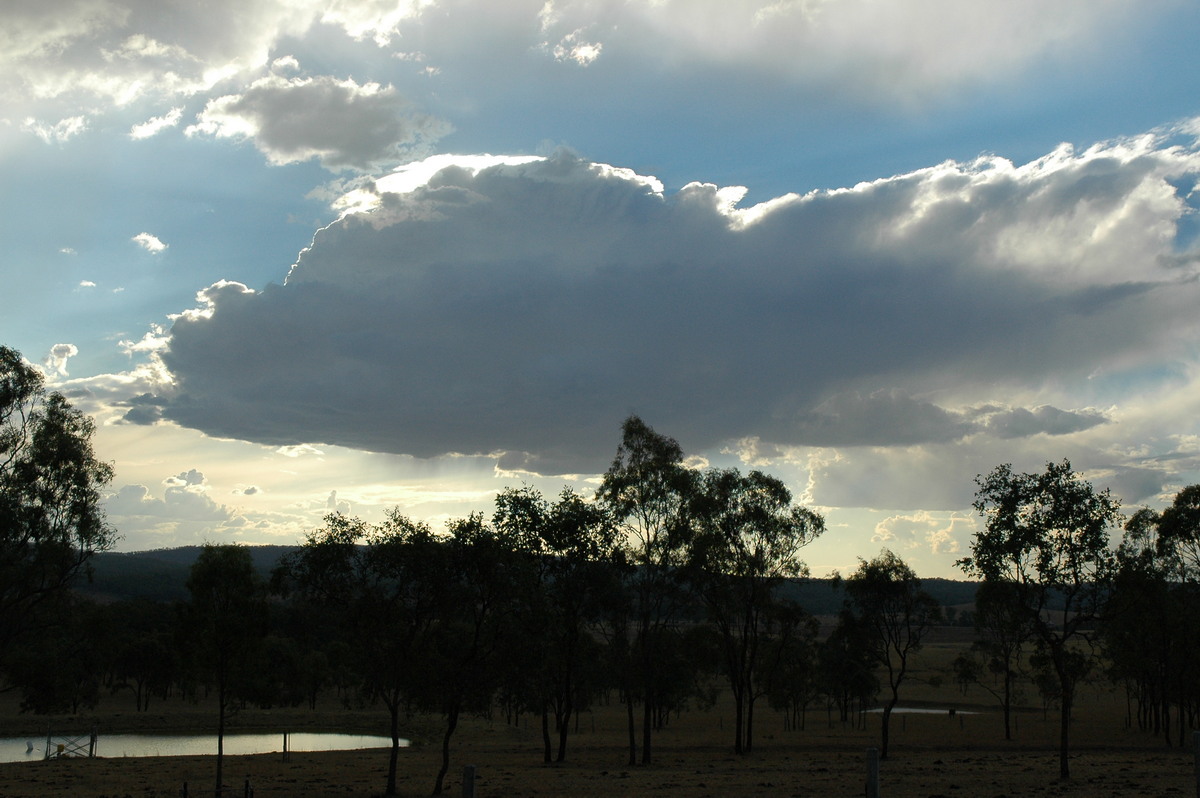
point(647, 722)
point(738, 720)
point(394, 754)
point(563, 729)
point(220, 739)
point(632, 728)
point(883, 737)
point(1064, 764)
point(748, 743)
point(545, 734)
point(451, 725)
point(1007, 704)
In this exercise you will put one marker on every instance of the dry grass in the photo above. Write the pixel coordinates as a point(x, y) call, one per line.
point(932, 755)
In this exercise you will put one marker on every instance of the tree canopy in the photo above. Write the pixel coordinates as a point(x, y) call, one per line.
point(51, 521)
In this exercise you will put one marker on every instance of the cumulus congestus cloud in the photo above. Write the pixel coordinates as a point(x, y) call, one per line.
point(527, 307)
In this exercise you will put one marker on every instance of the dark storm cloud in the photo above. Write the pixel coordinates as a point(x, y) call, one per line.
point(529, 308)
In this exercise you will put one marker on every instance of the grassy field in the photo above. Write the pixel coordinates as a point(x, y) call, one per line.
point(931, 755)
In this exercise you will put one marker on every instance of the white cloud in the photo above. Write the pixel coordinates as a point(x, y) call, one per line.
point(149, 242)
point(58, 132)
point(339, 122)
point(70, 60)
point(56, 361)
point(885, 51)
point(525, 308)
point(940, 533)
point(158, 124)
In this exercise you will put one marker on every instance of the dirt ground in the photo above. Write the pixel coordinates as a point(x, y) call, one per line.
point(931, 755)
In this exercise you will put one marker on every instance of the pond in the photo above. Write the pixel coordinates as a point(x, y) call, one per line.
point(923, 711)
point(21, 749)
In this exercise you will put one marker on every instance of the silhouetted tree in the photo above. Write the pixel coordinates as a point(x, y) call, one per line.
point(51, 522)
point(388, 585)
point(572, 543)
point(225, 619)
point(646, 490)
point(1152, 620)
point(845, 665)
point(1002, 631)
point(746, 541)
point(885, 596)
point(61, 669)
point(791, 674)
point(461, 674)
point(1047, 535)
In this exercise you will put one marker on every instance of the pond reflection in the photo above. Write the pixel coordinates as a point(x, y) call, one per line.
point(20, 749)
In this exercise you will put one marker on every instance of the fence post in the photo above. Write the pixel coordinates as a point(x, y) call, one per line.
point(872, 773)
point(468, 783)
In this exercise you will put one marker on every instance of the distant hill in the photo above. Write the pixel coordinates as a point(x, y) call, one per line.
point(161, 575)
point(821, 597)
point(158, 575)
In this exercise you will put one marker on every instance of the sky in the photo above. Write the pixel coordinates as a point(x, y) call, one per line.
point(306, 256)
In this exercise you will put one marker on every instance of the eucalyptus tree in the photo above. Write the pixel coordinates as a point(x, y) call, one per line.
point(1047, 536)
point(460, 666)
point(886, 598)
point(1002, 633)
point(1152, 623)
point(647, 490)
point(388, 585)
point(792, 677)
point(51, 521)
point(845, 664)
point(572, 542)
point(225, 619)
point(747, 537)
point(1178, 530)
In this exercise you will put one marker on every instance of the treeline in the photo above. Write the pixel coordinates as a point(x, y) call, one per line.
point(666, 585)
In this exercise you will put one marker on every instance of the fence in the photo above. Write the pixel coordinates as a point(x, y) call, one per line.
point(63, 747)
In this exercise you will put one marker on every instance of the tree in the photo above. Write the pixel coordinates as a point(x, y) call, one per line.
point(646, 489)
point(572, 542)
point(885, 596)
point(1179, 533)
point(747, 539)
point(60, 670)
point(51, 522)
point(1002, 632)
point(845, 665)
point(225, 619)
point(1151, 621)
point(1047, 535)
point(792, 678)
point(387, 586)
point(461, 668)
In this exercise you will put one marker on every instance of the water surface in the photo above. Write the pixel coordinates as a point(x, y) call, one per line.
point(17, 749)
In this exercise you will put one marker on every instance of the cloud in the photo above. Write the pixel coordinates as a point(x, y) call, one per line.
point(528, 307)
point(149, 243)
point(189, 478)
point(66, 61)
point(1021, 422)
point(941, 533)
point(158, 124)
point(56, 361)
point(184, 514)
point(338, 122)
point(887, 52)
point(58, 132)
